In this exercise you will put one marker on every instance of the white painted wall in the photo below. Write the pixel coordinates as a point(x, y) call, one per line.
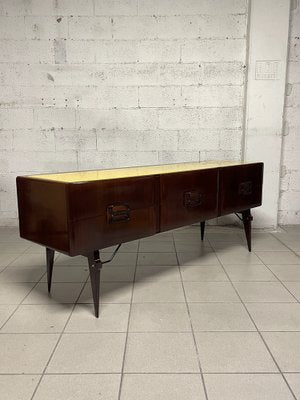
point(90, 84)
point(289, 205)
point(268, 37)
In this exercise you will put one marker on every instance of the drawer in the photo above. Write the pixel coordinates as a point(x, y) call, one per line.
point(93, 199)
point(240, 187)
point(188, 197)
point(103, 230)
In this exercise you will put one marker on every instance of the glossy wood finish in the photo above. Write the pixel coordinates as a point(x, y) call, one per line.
point(240, 188)
point(188, 197)
point(80, 218)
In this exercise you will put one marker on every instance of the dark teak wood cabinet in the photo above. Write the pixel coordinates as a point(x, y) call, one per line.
point(80, 213)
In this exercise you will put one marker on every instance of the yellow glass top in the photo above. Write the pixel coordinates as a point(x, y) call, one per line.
point(129, 172)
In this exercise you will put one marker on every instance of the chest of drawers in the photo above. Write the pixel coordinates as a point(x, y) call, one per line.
point(79, 213)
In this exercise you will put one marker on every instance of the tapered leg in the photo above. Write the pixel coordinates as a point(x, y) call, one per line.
point(49, 262)
point(95, 267)
point(247, 218)
point(202, 226)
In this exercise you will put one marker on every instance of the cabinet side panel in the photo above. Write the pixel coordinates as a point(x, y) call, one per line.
point(240, 187)
point(43, 213)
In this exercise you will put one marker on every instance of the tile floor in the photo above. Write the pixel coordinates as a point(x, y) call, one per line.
point(179, 319)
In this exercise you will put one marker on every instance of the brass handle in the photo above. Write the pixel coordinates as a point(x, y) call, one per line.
point(192, 199)
point(245, 188)
point(118, 213)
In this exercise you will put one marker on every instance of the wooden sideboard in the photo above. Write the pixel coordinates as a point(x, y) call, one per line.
point(80, 213)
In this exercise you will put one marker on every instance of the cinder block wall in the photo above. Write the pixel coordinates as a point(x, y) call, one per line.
point(289, 205)
point(89, 84)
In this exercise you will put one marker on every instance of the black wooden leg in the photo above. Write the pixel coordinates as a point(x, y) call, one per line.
point(202, 226)
point(247, 218)
point(49, 262)
point(95, 267)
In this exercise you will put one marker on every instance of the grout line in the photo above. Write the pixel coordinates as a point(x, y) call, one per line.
point(128, 322)
point(293, 251)
point(279, 281)
point(58, 341)
point(192, 330)
point(257, 330)
point(148, 373)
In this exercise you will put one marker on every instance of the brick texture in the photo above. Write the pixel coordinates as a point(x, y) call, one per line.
point(107, 83)
point(289, 201)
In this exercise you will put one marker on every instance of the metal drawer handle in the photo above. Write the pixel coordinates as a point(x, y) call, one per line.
point(118, 213)
point(245, 188)
point(192, 199)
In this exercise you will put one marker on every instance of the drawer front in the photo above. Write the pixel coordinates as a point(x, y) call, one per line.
point(113, 197)
point(240, 187)
point(188, 197)
point(104, 230)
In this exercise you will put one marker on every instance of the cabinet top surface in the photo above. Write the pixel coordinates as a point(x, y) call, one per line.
point(129, 172)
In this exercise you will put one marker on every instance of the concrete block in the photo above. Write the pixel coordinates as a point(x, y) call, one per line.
point(159, 51)
point(288, 217)
point(46, 7)
point(116, 97)
point(293, 72)
point(90, 28)
point(49, 118)
point(181, 74)
point(137, 119)
point(16, 118)
point(160, 96)
point(292, 99)
point(12, 27)
point(29, 51)
point(294, 48)
point(116, 51)
point(74, 7)
point(292, 116)
point(222, 26)
point(6, 140)
point(231, 139)
point(193, 118)
point(169, 157)
point(214, 50)
point(120, 140)
point(229, 155)
point(95, 119)
point(223, 73)
point(128, 74)
point(177, 27)
point(198, 139)
point(295, 181)
point(213, 96)
point(33, 140)
point(137, 28)
point(290, 201)
point(60, 52)
point(39, 27)
point(112, 159)
point(191, 7)
point(75, 140)
point(80, 51)
point(115, 7)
